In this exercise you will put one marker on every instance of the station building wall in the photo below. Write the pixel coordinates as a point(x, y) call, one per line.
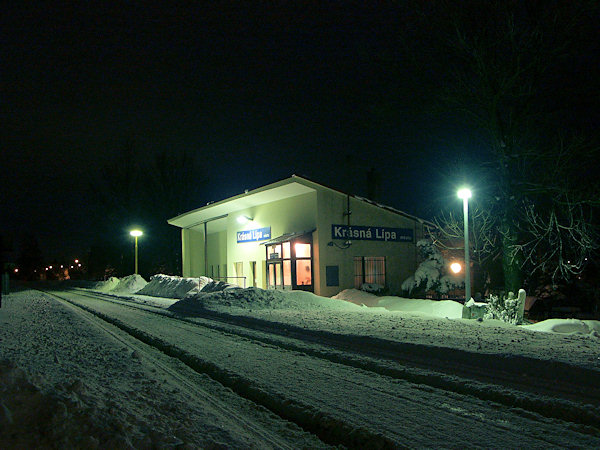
point(317, 211)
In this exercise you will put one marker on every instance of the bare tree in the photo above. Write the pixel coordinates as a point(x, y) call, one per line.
point(483, 238)
point(508, 59)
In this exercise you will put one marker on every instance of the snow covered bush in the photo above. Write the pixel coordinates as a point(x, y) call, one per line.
point(508, 309)
point(372, 288)
point(431, 275)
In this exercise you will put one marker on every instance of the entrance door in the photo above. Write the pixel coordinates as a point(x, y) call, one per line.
point(275, 276)
point(289, 263)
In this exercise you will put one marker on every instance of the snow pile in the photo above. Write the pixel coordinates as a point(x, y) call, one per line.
point(106, 286)
point(358, 297)
point(567, 326)
point(127, 285)
point(443, 308)
point(63, 418)
point(130, 284)
point(253, 298)
point(173, 287)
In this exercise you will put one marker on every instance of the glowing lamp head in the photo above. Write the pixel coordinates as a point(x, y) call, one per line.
point(464, 193)
point(243, 220)
point(455, 267)
point(135, 233)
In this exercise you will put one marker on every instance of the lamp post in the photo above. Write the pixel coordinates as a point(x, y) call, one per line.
point(136, 234)
point(465, 194)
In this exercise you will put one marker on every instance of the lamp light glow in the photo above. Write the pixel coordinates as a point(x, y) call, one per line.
point(243, 220)
point(136, 233)
point(455, 267)
point(464, 193)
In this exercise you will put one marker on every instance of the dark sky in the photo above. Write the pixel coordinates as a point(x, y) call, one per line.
point(256, 93)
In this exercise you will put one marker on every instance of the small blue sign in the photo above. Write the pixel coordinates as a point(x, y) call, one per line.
point(260, 234)
point(364, 233)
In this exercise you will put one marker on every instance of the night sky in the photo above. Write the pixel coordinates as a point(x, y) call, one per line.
point(255, 93)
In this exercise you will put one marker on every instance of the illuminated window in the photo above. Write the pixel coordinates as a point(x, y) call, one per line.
point(274, 251)
point(303, 272)
point(289, 264)
point(271, 276)
point(302, 250)
point(287, 272)
point(369, 269)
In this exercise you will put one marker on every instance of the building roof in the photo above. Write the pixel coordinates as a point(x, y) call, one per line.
point(216, 212)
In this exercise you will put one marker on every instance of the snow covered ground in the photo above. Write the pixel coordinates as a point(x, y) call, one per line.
point(76, 378)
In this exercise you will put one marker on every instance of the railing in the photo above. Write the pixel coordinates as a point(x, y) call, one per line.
point(235, 278)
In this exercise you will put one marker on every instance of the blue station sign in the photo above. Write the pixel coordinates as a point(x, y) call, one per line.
point(365, 233)
point(260, 234)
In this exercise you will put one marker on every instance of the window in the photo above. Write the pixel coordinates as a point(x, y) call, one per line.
point(303, 272)
point(253, 280)
point(369, 269)
point(287, 272)
point(302, 250)
point(289, 263)
point(239, 274)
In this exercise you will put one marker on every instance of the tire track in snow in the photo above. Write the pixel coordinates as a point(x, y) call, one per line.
point(327, 428)
point(195, 391)
point(549, 407)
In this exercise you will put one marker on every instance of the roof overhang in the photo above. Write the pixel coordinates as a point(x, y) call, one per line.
point(216, 213)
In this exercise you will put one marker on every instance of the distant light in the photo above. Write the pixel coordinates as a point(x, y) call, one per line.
point(136, 233)
point(16, 270)
point(79, 265)
point(76, 261)
point(61, 266)
point(455, 267)
point(71, 267)
point(50, 267)
point(243, 220)
point(464, 193)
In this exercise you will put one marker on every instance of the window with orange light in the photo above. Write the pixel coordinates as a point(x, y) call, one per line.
point(303, 272)
point(302, 250)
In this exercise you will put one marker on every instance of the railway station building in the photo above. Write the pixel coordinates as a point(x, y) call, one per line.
point(298, 234)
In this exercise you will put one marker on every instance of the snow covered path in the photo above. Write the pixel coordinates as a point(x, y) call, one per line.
point(80, 382)
point(355, 391)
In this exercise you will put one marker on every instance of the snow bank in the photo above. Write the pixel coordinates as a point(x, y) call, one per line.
point(173, 287)
point(65, 417)
point(566, 326)
point(130, 284)
point(106, 286)
point(253, 298)
point(127, 285)
point(433, 308)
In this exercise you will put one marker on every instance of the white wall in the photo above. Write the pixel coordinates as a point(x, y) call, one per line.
point(400, 257)
point(284, 216)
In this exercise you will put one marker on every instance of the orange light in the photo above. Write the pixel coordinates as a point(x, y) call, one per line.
point(455, 267)
point(302, 250)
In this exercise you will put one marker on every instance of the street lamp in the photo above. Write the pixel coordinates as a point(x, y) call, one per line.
point(465, 194)
point(136, 234)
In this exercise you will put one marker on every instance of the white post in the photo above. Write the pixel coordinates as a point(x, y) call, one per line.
point(465, 194)
point(467, 259)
